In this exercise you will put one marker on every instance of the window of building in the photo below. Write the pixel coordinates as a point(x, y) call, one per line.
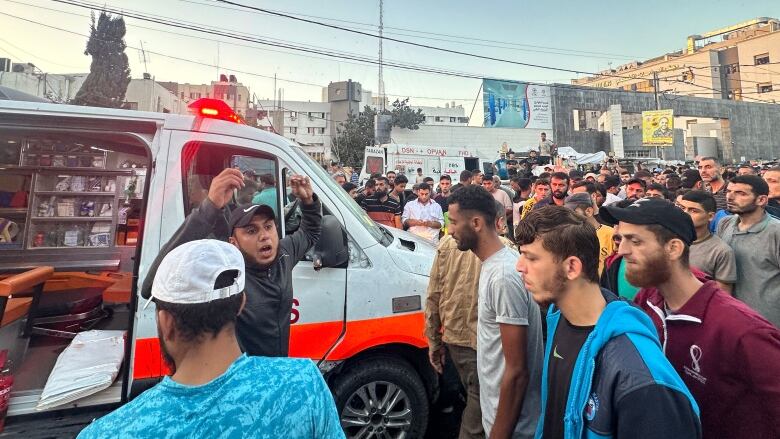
point(192, 95)
point(198, 95)
point(764, 88)
point(182, 95)
point(292, 130)
point(439, 119)
point(452, 119)
point(761, 59)
point(315, 130)
point(293, 114)
point(463, 119)
point(239, 98)
point(642, 153)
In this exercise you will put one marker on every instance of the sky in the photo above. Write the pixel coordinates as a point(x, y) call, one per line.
point(574, 35)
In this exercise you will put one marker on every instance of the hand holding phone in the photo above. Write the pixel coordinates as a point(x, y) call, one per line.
point(224, 186)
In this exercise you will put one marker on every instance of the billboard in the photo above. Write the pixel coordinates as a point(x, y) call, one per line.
point(658, 128)
point(510, 104)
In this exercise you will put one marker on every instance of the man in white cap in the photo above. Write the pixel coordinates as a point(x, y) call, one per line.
point(215, 390)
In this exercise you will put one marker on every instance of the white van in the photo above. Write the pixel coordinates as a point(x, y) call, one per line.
point(94, 193)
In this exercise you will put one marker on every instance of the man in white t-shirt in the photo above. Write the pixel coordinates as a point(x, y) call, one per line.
point(509, 327)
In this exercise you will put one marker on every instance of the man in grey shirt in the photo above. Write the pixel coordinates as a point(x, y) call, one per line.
point(708, 253)
point(755, 237)
point(509, 328)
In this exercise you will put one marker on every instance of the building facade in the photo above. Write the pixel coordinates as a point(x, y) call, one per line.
point(732, 63)
point(228, 89)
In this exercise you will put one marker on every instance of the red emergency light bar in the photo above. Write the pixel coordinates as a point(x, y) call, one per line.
point(214, 109)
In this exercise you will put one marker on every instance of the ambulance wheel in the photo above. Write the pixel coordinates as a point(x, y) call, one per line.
point(383, 398)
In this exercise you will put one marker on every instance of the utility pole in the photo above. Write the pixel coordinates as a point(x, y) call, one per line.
point(657, 107)
point(143, 56)
point(381, 88)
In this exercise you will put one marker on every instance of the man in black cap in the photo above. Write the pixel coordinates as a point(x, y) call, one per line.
point(263, 327)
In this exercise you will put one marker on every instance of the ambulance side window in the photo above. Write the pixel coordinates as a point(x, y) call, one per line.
point(201, 162)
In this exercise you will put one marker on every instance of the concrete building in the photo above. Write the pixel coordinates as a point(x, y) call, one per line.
point(729, 63)
point(227, 88)
point(307, 123)
point(148, 95)
point(27, 78)
point(732, 130)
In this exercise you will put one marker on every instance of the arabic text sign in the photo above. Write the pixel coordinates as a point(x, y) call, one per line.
point(453, 166)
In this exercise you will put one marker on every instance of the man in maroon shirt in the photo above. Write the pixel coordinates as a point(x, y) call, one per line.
point(727, 354)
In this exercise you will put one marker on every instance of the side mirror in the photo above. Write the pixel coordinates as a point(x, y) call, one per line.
point(331, 251)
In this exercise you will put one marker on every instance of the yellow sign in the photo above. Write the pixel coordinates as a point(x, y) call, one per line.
point(658, 128)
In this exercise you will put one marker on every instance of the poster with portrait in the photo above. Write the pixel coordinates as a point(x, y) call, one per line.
point(658, 128)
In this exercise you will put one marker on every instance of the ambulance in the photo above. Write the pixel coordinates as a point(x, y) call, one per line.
point(89, 195)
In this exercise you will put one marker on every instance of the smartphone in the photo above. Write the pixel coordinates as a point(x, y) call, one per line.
point(234, 163)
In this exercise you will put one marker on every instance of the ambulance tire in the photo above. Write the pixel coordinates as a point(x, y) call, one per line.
point(381, 375)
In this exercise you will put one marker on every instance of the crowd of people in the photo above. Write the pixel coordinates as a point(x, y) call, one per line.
point(660, 287)
point(571, 304)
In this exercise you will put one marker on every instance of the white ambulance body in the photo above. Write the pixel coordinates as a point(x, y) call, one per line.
point(362, 322)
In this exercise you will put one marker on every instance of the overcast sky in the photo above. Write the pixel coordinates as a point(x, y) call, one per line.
point(587, 36)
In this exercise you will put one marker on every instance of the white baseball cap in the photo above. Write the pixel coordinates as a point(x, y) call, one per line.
point(188, 273)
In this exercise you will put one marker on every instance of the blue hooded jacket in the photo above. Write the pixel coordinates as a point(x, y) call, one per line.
point(622, 385)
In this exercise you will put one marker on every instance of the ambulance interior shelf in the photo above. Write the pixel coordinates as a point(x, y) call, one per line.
point(63, 195)
point(78, 205)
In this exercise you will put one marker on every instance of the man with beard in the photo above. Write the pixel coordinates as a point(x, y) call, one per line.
point(755, 237)
point(710, 171)
point(559, 188)
point(451, 322)
point(604, 372)
point(383, 208)
point(264, 326)
point(198, 291)
point(635, 189)
point(509, 329)
point(718, 345)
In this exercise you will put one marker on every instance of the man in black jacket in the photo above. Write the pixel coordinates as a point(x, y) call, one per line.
point(263, 326)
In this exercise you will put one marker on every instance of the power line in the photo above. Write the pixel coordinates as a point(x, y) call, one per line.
point(461, 39)
point(410, 43)
point(336, 54)
point(243, 72)
point(333, 54)
point(366, 60)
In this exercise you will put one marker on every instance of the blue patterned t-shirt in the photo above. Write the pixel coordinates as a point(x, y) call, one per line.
point(259, 397)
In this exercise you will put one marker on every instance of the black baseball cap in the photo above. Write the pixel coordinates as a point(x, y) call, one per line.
point(242, 215)
point(648, 211)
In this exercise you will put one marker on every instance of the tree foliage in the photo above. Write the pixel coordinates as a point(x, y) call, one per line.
point(406, 117)
point(353, 136)
point(109, 73)
point(358, 131)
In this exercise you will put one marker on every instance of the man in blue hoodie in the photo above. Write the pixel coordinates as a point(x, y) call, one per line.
point(604, 372)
